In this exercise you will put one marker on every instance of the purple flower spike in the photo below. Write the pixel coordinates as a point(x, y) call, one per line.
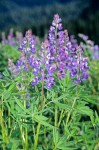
point(56, 21)
point(79, 66)
point(28, 44)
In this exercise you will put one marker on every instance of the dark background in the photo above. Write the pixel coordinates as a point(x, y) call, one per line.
point(79, 16)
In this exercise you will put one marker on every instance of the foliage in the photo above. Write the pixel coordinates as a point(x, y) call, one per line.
point(7, 51)
point(34, 117)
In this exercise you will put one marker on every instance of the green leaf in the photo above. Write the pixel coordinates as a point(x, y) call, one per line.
point(41, 119)
point(62, 140)
point(11, 86)
point(67, 145)
point(85, 110)
point(59, 98)
point(6, 73)
point(67, 79)
point(62, 106)
point(21, 105)
point(55, 136)
point(6, 94)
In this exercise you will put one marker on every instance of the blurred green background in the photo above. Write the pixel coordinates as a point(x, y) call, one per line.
point(79, 16)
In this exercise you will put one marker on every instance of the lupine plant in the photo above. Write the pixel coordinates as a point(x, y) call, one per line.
point(92, 50)
point(44, 101)
point(89, 47)
point(11, 40)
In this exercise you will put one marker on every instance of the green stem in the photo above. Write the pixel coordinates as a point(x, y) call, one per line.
point(9, 121)
point(26, 138)
point(69, 113)
point(55, 116)
point(3, 130)
point(60, 118)
point(23, 138)
point(36, 137)
point(68, 116)
point(26, 131)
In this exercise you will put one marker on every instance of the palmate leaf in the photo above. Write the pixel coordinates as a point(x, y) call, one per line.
point(93, 99)
point(60, 98)
point(26, 113)
point(6, 94)
point(21, 105)
point(12, 86)
point(84, 110)
point(23, 116)
point(61, 142)
point(6, 73)
point(21, 112)
point(11, 145)
point(64, 145)
point(41, 117)
point(12, 111)
point(43, 120)
point(63, 106)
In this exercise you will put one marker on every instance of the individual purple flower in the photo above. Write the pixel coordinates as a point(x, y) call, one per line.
point(35, 81)
point(28, 101)
point(49, 82)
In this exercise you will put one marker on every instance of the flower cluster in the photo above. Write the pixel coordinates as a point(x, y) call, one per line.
point(78, 66)
point(89, 45)
point(58, 54)
point(11, 40)
point(27, 48)
point(28, 43)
